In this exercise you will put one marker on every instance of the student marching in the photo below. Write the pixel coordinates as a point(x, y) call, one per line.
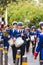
point(19, 37)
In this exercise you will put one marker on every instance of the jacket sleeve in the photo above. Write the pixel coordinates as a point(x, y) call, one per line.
point(11, 33)
point(38, 47)
point(39, 44)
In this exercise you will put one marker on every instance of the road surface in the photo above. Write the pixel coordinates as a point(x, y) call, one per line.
point(30, 58)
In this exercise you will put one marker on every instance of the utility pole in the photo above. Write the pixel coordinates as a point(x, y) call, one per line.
point(6, 16)
point(6, 13)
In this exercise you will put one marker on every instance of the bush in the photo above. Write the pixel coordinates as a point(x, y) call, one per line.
point(25, 11)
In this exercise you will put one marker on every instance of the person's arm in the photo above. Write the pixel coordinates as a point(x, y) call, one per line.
point(11, 33)
point(37, 50)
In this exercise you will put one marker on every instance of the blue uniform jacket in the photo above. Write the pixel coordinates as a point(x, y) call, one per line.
point(16, 33)
point(13, 33)
point(1, 35)
point(40, 46)
point(24, 37)
point(6, 39)
point(33, 34)
point(38, 32)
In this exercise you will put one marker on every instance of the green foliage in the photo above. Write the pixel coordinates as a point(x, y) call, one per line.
point(25, 11)
point(41, 1)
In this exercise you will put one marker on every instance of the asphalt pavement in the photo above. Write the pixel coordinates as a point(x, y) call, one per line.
point(30, 58)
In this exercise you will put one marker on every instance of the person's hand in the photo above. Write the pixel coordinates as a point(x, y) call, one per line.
point(35, 55)
point(8, 36)
point(22, 34)
point(1, 40)
point(35, 36)
point(13, 39)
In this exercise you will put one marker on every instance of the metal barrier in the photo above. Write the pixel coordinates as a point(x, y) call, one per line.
point(5, 56)
point(24, 60)
point(18, 58)
point(1, 54)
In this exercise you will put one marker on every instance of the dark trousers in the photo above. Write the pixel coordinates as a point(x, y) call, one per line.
point(27, 45)
point(33, 47)
point(40, 57)
point(22, 48)
point(14, 51)
point(41, 63)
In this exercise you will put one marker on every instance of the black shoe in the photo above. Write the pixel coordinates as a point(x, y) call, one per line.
point(14, 61)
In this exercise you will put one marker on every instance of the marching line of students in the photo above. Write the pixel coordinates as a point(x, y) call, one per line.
point(27, 34)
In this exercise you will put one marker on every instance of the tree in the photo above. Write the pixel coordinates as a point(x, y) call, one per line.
point(3, 4)
point(41, 1)
point(25, 11)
